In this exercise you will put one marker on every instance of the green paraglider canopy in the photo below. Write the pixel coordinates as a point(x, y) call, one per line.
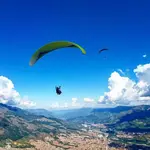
point(51, 47)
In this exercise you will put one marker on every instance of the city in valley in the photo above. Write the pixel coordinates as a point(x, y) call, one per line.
point(92, 139)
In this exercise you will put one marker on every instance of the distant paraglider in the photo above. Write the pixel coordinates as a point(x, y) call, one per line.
point(58, 91)
point(104, 49)
point(51, 47)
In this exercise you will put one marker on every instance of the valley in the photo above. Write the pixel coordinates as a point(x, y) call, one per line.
point(111, 129)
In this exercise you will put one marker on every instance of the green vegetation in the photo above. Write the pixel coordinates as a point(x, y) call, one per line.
point(2, 143)
point(44, 130)
point(22, 143)
point(17, 124)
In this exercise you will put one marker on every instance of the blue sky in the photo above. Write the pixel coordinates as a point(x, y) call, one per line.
point(122, 26)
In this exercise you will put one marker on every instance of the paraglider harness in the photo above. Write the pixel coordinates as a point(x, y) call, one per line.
point(58, 91)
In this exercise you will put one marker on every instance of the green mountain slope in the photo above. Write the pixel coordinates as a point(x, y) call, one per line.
point(16, 123)
point(124, 118)
point(135, 120)
point(43, 112)
point(102, 115)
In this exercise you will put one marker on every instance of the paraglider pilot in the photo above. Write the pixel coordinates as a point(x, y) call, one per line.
point(58, 91)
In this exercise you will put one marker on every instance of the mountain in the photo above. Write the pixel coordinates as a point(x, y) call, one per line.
point(126, 126)
point(102, 115)
point(82, 114)
point(125, 118)
point(20, 125)
point(16, 123)
point(132, 128)
point(71, 113)
point(135, 120)
point(43, 112)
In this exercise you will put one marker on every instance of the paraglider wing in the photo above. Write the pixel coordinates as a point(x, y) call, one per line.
point(51, 47)
point(104, 49)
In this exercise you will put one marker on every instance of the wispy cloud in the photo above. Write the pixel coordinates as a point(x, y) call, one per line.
point(73, 104)
point(144, 56)
point(8, 94)
point(88, 100)
point(121, 71)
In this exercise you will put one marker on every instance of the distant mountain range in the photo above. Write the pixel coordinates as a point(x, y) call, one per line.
point(98, 115)
point(123, 118)
point(43, 112)
point(71, 113)
point(135, 120)
point(16, 123)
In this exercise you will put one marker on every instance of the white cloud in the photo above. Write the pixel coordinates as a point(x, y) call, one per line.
point(8, 94)
point(121, 71)
point(88, 100)
point(72, 104)
point(75, 103)
point(66, 105)
point(143, 73)
point(123, 90)
point(25, 102)
point(85, 102)
point(145, 56)
point(57, 105)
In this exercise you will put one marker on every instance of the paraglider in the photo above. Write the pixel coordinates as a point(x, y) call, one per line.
point(51, 47)
point(58, 91)
point(104, 49)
